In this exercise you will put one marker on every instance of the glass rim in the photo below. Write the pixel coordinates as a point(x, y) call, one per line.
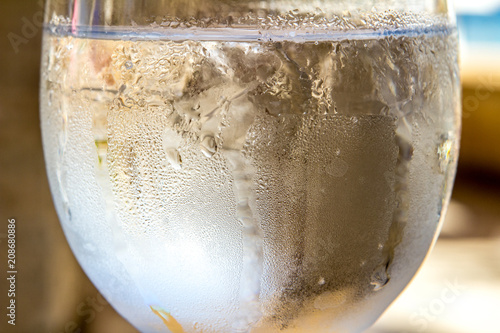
point(316, 16)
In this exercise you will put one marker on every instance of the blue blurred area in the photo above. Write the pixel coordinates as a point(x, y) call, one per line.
point(480, 28)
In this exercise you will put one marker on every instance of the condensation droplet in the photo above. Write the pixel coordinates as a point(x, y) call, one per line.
point(174, 158)
point(380, 277)
point(171, 143)
point(405, 148)
point(50, 97)
point(337, 168)
point(67, 211)
point(208, 146)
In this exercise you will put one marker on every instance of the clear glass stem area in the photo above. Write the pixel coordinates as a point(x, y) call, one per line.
point(237, 166)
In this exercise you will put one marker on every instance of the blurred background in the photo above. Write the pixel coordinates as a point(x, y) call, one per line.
point(456, 291)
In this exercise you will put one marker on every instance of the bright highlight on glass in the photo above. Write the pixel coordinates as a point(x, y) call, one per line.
point(250, 166)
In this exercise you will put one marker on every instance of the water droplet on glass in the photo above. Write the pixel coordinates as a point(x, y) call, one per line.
point(337, 168)
point(50, 97)
point(380, 277)
point(405, 148)
point(174, 158)
point(171, 143)
point(67, 211)
point(208, 146)
point(90, 247)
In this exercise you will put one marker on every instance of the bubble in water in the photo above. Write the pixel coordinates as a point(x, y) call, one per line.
point(129, 64)
point(444, 153)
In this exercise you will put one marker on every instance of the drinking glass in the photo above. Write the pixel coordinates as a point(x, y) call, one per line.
point(250, 165)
